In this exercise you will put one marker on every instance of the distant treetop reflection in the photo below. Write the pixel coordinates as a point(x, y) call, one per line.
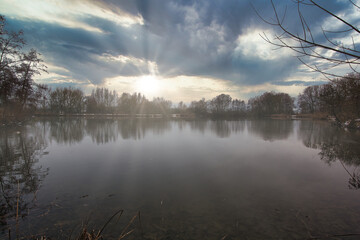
point(67, 131)
point(271, 130)
point(101, 131)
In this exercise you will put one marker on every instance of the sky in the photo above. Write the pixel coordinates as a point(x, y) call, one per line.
point(181, 50)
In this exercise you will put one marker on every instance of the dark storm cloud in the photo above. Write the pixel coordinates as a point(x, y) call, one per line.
point(81, 52)
point(195, 38)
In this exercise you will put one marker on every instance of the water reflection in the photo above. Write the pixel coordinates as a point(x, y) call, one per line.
point(314, 133)
point(348, 154)
point(334, 145)
point(271, 130)
point(102, 131)
point(182, 172)
point(68, 131)
point(136, 129)
point(20, 174)
point(220, 128)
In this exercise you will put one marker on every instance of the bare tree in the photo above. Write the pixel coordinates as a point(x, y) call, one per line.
point(17, 71)
point(309, 100)
point(31, 64)
point(329, 50)
point(220, 104)
point(11, 44)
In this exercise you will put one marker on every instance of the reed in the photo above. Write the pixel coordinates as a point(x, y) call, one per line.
point(17, 208)
point(86, 234)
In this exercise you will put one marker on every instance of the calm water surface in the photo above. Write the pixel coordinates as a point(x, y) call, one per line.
point(271, 179)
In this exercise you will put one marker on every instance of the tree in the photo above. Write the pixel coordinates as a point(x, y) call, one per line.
point(341, 98)
point(199, 107)
point(8, 82)
point(238, 106)
point(101, 100)
point(137, 103)
point(309, 100)
point(17, 71)
point(161, 105)
point(30, 65)
point(220, 104)
point(181, 108)
point(124, 103)
point(66, 100)
point(11, 44)
point(271, 103)
point(335, 47)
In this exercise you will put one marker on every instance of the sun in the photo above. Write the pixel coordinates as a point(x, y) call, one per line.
point(148, 85)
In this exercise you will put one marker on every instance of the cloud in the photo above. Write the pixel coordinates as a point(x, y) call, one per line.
point(72, 14)
point(94, 42)
point(251, 44)
point(87, 55)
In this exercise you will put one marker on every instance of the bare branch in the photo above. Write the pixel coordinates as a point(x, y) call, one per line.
point(335, 16)
point(352, 2)
point(331, 52)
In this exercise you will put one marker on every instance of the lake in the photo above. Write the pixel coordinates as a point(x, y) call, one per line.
point(189, 179)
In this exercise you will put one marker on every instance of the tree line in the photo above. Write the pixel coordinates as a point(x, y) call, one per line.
point(340, 98)
point(69, 100)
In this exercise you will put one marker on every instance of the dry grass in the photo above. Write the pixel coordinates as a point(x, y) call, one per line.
point(98, 235)
point(92, 234)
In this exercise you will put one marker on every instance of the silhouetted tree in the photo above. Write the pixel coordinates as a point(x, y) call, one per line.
point(271, 103)
point(8, 83)
point(238, 108)
point(309, 100)
point(200, 107)
point(161, 105)
point(67, 100)
point(133, 103)
point(30, 65)
point(101, 100)
point(124, 103)
point(220, 104)
point(17, 71)
point(341, 97)
point(181, 108)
